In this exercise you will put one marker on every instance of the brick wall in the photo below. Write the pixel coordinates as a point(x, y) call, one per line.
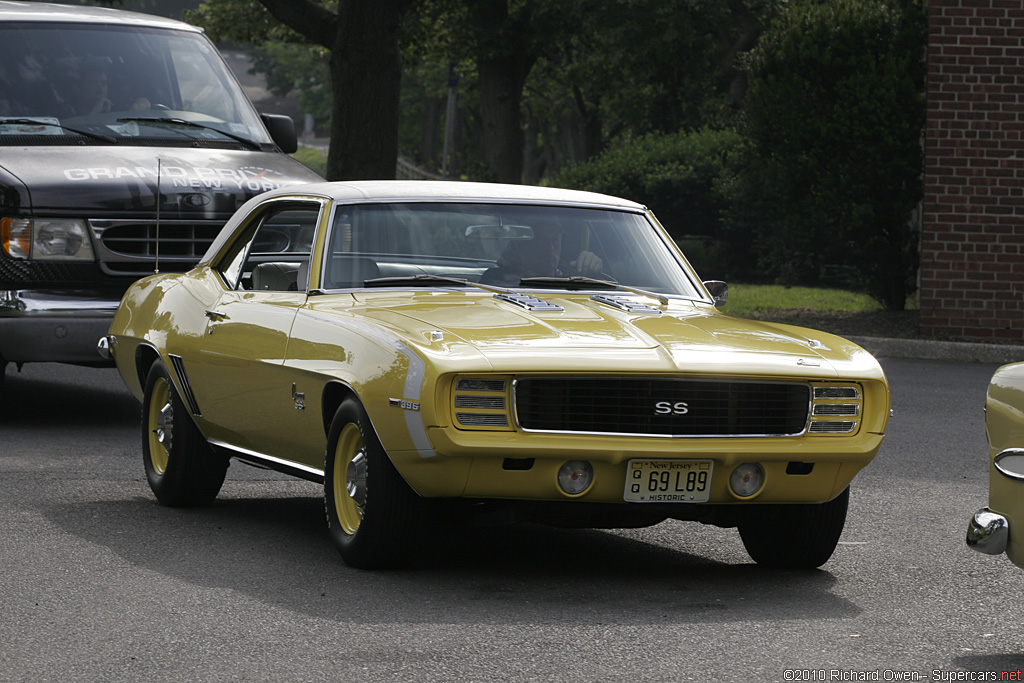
point(972, 243)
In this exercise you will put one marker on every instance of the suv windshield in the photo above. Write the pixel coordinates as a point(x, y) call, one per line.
point(502, 245)
point(111, 83)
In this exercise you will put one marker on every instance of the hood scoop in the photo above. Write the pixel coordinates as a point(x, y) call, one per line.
point(625, 304)
point(527, 301)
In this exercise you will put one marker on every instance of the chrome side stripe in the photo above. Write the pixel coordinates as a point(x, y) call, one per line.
point(270, 462)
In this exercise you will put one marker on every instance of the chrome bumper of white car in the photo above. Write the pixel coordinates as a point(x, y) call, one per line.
point(988, 532)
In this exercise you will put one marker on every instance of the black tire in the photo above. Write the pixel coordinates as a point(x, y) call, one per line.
point(373, 516)
point(794, 536)
point(182, 469)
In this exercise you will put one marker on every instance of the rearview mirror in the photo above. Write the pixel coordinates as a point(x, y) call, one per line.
point(500, 232)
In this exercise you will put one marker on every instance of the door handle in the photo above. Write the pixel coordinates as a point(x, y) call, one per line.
point(216, 315)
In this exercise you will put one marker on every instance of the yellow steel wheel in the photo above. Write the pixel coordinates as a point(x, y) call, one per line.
point(376, 526)
point(349, 478)
point(160, 424)
point(181, 467)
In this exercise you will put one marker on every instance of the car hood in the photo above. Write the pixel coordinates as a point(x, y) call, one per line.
point(590, 334)
point(114, 181)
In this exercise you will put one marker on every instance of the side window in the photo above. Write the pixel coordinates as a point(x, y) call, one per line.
point(273, 252)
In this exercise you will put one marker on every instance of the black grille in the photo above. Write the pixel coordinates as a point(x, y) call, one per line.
point(656, 406)
point(129, 246)
point(177, 240)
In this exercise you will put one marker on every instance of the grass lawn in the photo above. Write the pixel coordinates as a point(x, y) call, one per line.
point(749, 301)
point(832, 310)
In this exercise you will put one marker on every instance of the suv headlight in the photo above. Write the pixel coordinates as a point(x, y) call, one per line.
point(46, 239)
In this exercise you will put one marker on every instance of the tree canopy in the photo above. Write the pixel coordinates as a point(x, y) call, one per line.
point(795, 124)
point(362, 43)
point(832, 122)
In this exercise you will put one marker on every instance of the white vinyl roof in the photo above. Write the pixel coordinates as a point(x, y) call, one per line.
point(38, 12)
point(439, 190)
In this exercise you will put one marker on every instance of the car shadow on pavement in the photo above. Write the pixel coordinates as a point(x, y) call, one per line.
point(30, 401)
point(276, 549)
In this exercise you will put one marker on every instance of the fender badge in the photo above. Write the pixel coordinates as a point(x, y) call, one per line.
point(299, 397)
point(403, 404)
point(812, 363)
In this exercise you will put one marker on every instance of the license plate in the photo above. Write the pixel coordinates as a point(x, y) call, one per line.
point(668, 481)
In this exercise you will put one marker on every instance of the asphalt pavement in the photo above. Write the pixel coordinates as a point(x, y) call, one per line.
point(98, 582)
point(967, 352)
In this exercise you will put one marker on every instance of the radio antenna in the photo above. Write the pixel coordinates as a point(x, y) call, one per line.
point(156, 263)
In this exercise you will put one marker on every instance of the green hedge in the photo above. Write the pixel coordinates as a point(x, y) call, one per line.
point(830, 172)
point(675, 175)
point(312, 159)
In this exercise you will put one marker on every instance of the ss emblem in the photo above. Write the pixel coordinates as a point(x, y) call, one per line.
point(669, 408)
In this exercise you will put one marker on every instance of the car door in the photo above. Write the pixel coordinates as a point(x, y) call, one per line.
point(245, 392)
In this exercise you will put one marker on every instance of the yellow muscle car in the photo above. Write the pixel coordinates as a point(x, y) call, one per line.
point(430, 349)
point(996, 529)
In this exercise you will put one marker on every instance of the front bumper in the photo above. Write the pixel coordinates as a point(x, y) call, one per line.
point(59, 326)
point(474, 464)
point(988, 532)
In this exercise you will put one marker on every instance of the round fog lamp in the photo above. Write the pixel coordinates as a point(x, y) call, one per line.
point(747, 479)
point(575, 476)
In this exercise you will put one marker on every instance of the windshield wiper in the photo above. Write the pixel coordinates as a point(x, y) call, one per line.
point(190, 124)
point(430, 279)
point(581, 282)
point(576, 281)
point(419, 279)
point(76, 131)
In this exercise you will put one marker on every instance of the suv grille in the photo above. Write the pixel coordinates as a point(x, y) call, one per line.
point(665, 407)
point(128, 247)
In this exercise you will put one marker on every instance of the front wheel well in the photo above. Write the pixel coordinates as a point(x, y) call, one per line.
point(334, 394)
point(145, 356)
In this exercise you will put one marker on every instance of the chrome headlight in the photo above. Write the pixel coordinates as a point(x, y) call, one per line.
point(836, 409)
point(482, 403)
point(46, 239)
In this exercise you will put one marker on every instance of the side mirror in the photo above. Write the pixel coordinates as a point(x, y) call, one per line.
point(719, 291)
point(282, 131)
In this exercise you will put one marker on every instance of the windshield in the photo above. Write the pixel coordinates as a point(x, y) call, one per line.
point(109, 83)
point(503, 245)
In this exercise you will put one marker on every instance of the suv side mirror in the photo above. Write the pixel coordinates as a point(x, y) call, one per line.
point(719, 291)
point(282, 131)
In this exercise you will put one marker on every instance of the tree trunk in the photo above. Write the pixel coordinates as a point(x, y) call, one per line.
point(433, 121)
point(501, 91)
point(504, 61)
point(750, 30)
point(366, 72)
